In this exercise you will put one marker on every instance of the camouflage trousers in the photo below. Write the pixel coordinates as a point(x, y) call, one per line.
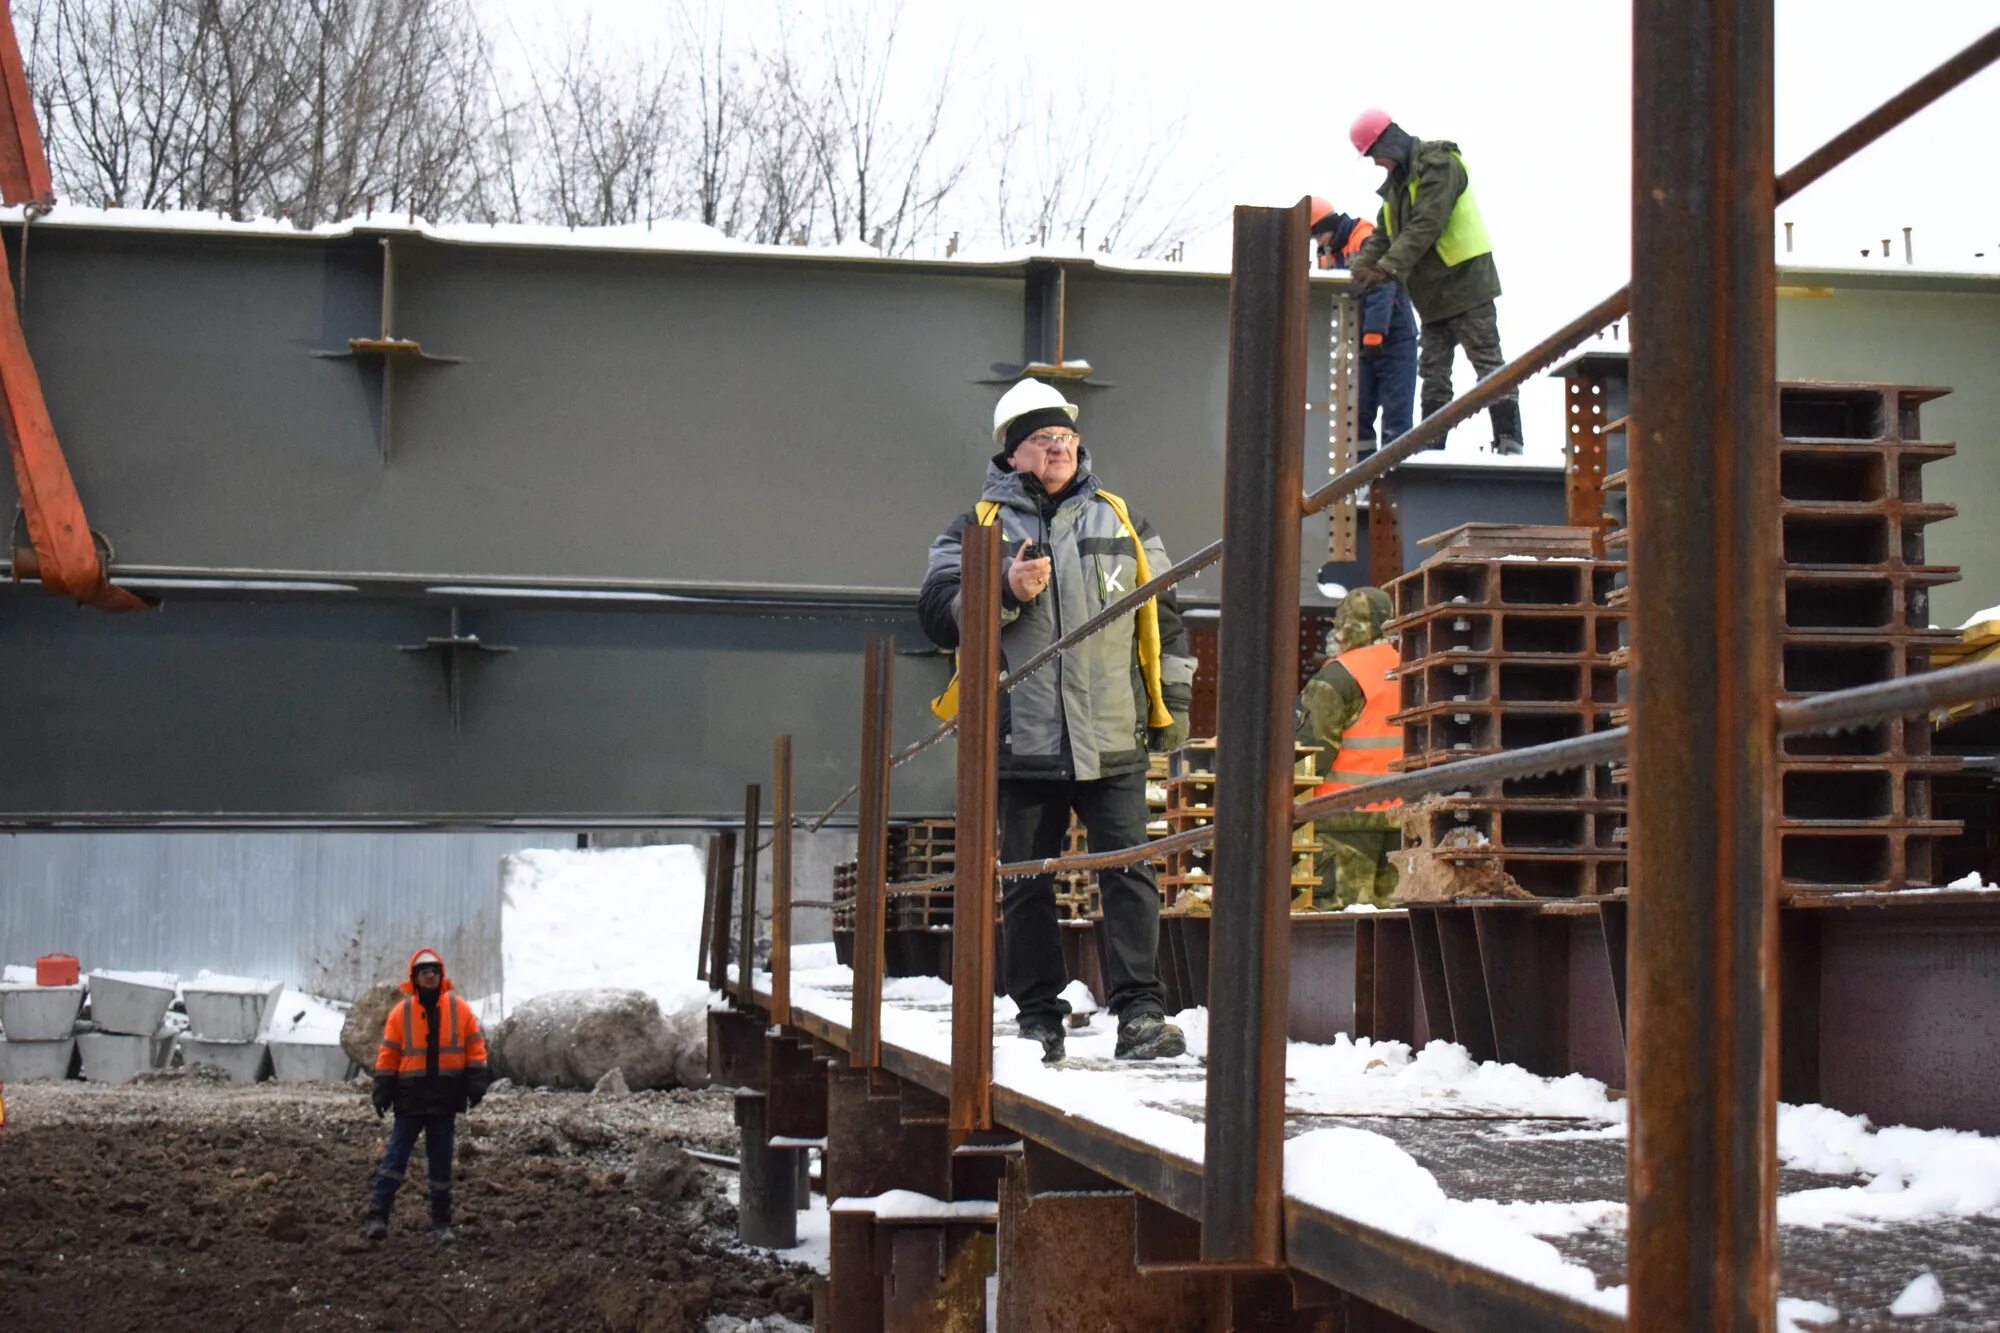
point(1355, 866)
point(1476, 330)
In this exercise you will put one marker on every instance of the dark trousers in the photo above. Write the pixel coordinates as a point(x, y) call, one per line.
point(1034, 818)
point(438, 1131)
point(1388, 385)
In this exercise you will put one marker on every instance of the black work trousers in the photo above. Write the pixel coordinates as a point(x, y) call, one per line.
point(1034, 819)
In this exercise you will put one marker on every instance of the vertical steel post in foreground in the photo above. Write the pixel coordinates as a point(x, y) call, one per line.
point(721, 877)
point(781, 880)
point(1702, 967)
point(746, 919)
point(872, 855)
point(977, 851)
point(1249, 964)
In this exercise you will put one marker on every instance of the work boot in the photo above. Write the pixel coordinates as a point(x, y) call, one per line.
point(376, 1225)
point(1433, 406)
point(1146, 1035)
point(444, 1235)
point(1506, 416)
point(1049, 1033)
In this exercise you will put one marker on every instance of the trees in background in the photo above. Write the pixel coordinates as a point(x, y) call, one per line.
point(831, 131)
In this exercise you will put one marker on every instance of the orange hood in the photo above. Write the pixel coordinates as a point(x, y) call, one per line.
point(425, 955)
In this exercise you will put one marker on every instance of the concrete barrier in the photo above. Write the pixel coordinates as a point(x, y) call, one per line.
point(35, 1061)
point(114, 1057)
point(39, 1013)
point(243, 1061)
point(227, 1014)
point(309, 1062)
point(132, 1008)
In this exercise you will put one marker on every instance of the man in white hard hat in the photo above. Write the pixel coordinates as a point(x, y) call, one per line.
point(1075, 735)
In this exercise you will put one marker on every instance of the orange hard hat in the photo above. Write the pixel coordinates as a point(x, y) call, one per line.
point(1367, 128)
point(1321, 211)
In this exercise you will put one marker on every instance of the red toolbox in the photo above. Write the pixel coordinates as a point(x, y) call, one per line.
point(55, 969)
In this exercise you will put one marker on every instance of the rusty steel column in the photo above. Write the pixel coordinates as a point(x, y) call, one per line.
point(746, 919)
point(1249, 964)
point(721, 874)
point(872, 854)
point(1703, 930)
point(976, 849)
point(781, 880)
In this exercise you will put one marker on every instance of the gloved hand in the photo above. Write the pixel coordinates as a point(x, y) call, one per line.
point(384, 1096)
point(477, 1080)
point(1371, 346)
point(1368, 275)
point(1178, 699)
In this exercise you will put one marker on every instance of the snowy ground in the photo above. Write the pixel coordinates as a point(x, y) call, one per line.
point(1363, 1113)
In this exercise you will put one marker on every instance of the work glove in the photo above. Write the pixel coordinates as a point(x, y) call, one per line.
point(476, 1083)
point(384, 1096)
point(1369, 275)
point(1160, 740)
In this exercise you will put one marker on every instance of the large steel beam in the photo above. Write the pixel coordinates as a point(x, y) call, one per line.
point(1243, 1180)
point(977, 850)
point(1703, 963)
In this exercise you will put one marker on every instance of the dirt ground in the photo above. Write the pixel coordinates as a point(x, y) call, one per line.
point(183, 1204)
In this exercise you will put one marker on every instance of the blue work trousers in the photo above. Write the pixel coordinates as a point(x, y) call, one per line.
point(438, 1131)
point(1388, 386)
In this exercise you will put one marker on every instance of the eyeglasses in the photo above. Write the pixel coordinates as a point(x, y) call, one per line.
point(1054, 439)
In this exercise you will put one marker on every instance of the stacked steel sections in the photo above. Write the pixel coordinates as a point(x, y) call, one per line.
point(1190, 804)
point(1507, 636)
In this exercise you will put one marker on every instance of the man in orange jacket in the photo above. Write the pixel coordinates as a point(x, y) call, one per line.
point(431, 1066)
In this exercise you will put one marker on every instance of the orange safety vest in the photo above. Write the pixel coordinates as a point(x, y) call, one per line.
point(406, 1038)
point(1370, 747)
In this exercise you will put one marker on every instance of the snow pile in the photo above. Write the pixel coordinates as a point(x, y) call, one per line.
point(1912, 1173)
point(572, 1039)
point(1972, 881)
point(1923, 1296)
point(1981, 617)
point(623, 919)
point(17, 975)
point(299, 1016)
point(1359, 1174)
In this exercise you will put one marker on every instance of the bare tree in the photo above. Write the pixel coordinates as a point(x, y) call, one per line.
point(607, 125)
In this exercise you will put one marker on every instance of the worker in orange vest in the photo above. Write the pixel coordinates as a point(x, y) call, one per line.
point(431, 1066)
point(1345, 710)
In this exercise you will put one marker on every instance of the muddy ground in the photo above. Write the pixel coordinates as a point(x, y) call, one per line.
point(183, 1204)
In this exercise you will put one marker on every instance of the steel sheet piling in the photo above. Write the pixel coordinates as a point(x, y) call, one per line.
point(721, 874)
point(976, 851)
point(872, 853)
point(1243, 1174)
point(781, 880)
point(1703, 930)
point(746, 909)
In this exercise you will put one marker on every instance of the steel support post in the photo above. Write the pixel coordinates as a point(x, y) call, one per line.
point(721, 875)
point(1704, 923)
point(767, 1207)
point(977, 850)
point(1249, 964)
point(781, 880)
point(872, 854)
point(746, 919)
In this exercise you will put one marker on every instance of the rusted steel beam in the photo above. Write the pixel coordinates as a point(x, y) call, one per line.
point(746, 909)
point(721, 876)
point(1242, 1184)
point(781, 880)
point(1385, 532)
point(24, 167)
point(977, 849)
point(872, 852)
point(1703, 1078)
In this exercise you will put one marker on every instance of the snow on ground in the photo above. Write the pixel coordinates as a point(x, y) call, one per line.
point(629, 917)
point(163, 980)
point(1972, 881)
point(223, 983)
point(1906, 1174)
point(1923, 1296)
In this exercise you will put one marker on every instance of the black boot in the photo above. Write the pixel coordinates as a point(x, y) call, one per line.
point(1147, 1035)
point(441, 1215)
point(375, 1224)
point(1433, 406)
point(1049, 1033)
point(1506, 416)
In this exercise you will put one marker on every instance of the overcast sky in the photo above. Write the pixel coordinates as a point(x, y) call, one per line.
point(1535, 92)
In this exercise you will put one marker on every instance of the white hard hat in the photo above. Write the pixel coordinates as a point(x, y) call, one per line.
point(1025, 397)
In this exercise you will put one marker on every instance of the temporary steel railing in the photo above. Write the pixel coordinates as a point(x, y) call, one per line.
point(1703, 919)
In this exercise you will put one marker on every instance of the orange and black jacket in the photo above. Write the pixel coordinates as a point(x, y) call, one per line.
point(432, 1060)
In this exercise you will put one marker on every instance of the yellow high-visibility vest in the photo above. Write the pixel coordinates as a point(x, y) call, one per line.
point(1464, 234)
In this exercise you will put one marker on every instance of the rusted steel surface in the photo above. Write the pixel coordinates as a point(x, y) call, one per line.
point(1385, 531)
point(1702, 1172)
point(854, 1281)
point(870, 1150)
point(721, 881)
point(795, 1080)
point(977, 848)
point(1342, 538)
point(24, 167)
point(936, 1279)
point(872, 847)
point(1586, 453)
point(1241, 1212)
point(781, 880)
point(746, 906)
point(1083, 1231)
point(768, 1179)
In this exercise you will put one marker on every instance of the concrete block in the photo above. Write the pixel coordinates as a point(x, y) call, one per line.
point(309, 1062)
point(35, 1061)
point(243, 1061)
point(132, 1008)
point(227, 1015)
point(114, 1057)
point(39, 1013)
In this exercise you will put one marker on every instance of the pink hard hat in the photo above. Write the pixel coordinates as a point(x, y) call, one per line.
point(1367, 128)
